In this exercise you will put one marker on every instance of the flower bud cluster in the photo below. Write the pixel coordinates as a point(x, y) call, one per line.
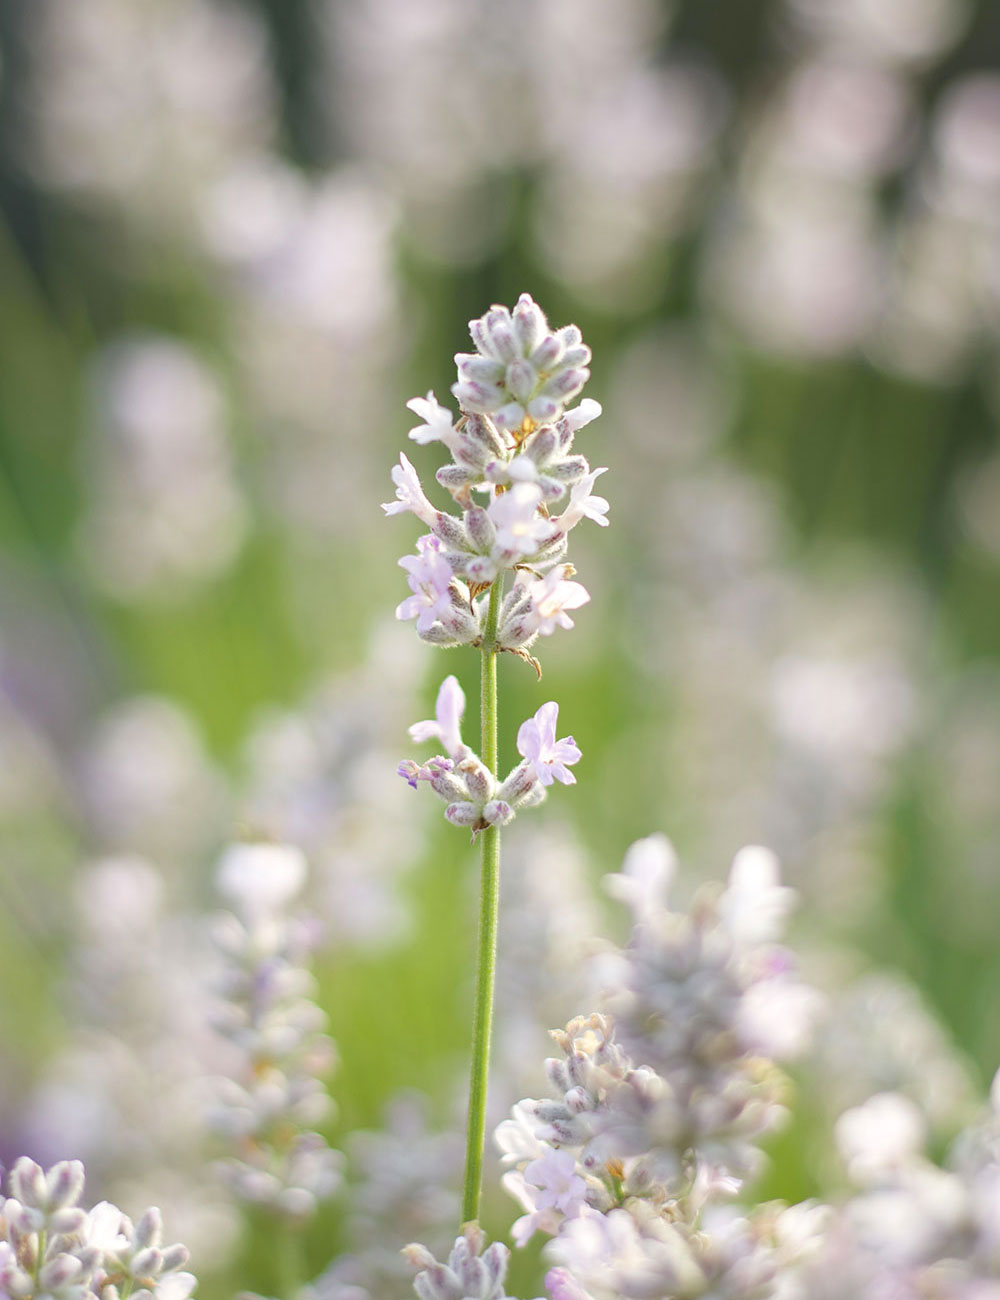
point(914, 1229)
point(639, 1251)
point(709, 1000)
point(52, 1249)
point(473, 795)
point(274, 1096)
point(471, 1272)
point(522, 373)
point(513, 442)
point(656, 1107)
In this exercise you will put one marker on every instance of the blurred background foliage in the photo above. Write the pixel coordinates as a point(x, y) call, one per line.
point(238, 234)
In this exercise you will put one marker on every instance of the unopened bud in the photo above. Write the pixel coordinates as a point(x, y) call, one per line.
point(478, 778)
point(149, 1230)
point(498, 813)
point(462, 814)
point(480, 529)
point(28, 1184)
point(64, 1183)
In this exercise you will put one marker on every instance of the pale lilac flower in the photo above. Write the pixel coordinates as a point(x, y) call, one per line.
point(438, 425)
point(446, 724)
point(536, 741)
point(412, 772)
point(881, 1136)
point(583, 414)
point(430, 577)
point(520, 529)
point(646, 876)
point(409, 494)
point(756, 905)
point(551, 597)
point(550, 1189)
point(103, 1229)
point(583, 504)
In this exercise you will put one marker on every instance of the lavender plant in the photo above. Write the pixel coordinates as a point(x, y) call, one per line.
point(52, 1249)
point(274, 1093)
point(513, 446)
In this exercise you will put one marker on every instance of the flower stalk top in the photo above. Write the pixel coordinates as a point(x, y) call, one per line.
point(518, 488)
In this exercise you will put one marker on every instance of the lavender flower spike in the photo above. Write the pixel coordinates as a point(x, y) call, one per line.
point(471, 1272)
point(446, 724)
point(536, 741)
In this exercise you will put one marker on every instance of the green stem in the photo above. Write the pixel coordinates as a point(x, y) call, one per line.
point(290, 1272)
point(489, 909)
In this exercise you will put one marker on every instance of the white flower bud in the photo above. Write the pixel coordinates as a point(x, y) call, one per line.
point(451, 531)
point(498, 813)
point(149, 1230)
point(462, 814)
point(548, 353)
point(478, 397)
point(522, 379)
point(478, 778)
point(500, 329)
point(57, 1272)
point(66, 1221)
point(64, 1183)
point(175, 1257)
point(479, 370)
point(28, 1184)
point(481, 529)
point(530, 325)
point(146, 1263)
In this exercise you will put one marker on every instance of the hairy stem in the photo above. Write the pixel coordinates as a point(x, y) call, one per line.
point(489, 908)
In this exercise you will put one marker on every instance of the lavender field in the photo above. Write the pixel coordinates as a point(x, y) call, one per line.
point(586, 405)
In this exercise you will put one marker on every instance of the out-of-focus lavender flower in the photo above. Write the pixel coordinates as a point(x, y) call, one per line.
point(405, 1174)
point(666, 1120)
point(309, 272)
point(130, 107)
point(164, 512)
point(880, 1037)
point(913, 1229)
point(944, 283)
point(127, 1090)
point(448, 102)
point(894, 32)
point(471, 1273)
point(636, 1252)
point(321, 776)
point(274, 1094)
point(173, 805)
